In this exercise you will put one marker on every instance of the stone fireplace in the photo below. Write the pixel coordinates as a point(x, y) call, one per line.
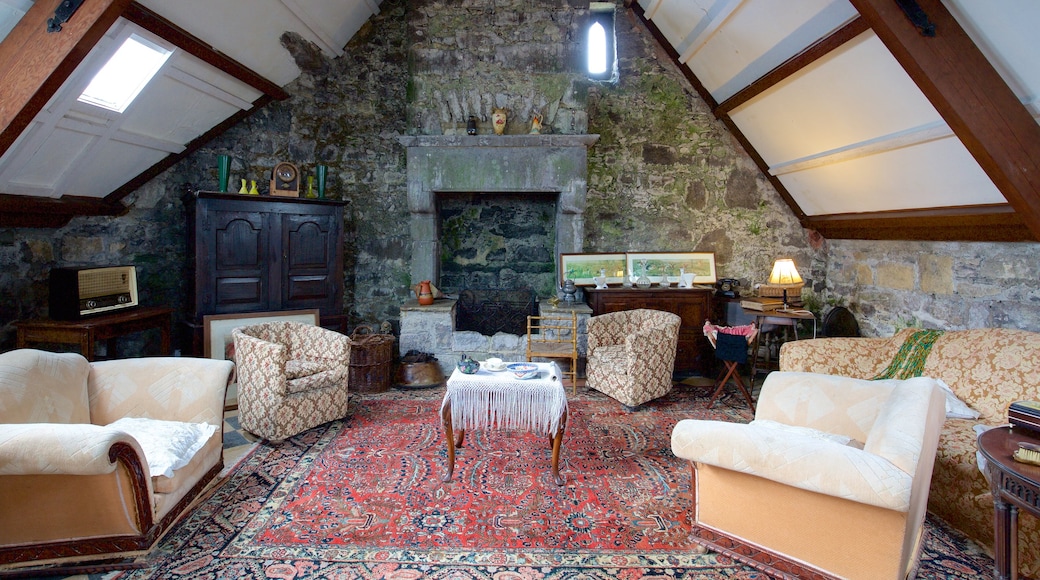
point(487, 165)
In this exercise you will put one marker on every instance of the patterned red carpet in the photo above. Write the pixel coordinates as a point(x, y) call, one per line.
point(362, 498)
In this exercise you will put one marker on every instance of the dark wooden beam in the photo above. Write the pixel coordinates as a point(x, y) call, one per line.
point(794, 64)
point(22, 211)
point(34, 63)
point(971, 96)
point(184, 40)
point(982, 223)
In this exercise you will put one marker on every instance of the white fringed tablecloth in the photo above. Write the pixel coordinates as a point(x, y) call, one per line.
point(499, 400)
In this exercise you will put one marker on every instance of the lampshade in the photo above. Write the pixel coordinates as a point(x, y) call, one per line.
point(784, 272)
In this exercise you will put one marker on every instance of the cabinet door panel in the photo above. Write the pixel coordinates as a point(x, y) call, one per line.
point(236, 264)
point(308, 269)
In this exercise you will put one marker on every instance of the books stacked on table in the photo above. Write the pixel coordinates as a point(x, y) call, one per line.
point(1025, 415)
point(761, 303)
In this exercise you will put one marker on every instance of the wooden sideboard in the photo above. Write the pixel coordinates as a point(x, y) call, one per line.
point(694, 306)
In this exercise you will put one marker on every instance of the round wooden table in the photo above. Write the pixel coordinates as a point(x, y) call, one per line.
point(1015, 486)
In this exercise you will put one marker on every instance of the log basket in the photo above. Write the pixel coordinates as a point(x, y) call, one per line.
point(371, 361)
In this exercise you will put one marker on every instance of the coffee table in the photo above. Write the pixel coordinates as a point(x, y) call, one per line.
point(499, 400)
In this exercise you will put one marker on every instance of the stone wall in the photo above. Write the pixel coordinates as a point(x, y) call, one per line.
point(949, 285)
point(664, 176)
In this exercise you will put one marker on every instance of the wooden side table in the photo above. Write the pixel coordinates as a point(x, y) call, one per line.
point(785, 319)
point(86, 331)
point(1015, 486)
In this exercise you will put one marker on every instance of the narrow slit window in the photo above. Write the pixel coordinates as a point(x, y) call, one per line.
point(125, 75)
point(600, 47)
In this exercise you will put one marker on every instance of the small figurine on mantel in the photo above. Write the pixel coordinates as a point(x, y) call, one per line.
point(536, 124)
point(498, 119)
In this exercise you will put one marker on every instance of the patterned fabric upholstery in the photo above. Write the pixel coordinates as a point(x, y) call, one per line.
point(291, 377)
point(988, 369)
point(631, 354)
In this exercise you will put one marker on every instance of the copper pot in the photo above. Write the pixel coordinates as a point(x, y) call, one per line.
point(419, 371)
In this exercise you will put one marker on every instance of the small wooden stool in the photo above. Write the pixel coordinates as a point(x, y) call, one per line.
point(731, 349)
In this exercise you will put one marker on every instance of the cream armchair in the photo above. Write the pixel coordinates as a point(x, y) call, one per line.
point(74, 488)
point(631, 354)
point(833, 472)
point(291, 377)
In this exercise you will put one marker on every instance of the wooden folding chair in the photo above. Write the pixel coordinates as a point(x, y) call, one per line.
point(555, 335)
point(732, 350)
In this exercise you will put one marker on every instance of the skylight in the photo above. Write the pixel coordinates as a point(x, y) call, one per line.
point(125, 75)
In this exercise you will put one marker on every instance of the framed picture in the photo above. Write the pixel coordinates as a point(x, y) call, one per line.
point(660, 264)
point(216, 328)
point(582, 268)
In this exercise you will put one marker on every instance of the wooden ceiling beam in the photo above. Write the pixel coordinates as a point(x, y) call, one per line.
point(34, 63)
point(191, 44)
point(23, 211)
point(983, 223)
point(970, 95)
point(818, 50)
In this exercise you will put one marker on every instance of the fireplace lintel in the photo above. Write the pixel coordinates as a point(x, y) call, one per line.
point(489, 164)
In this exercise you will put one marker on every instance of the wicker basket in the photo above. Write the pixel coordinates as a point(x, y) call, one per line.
point(371, 361)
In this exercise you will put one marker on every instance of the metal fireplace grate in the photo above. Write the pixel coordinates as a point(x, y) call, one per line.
point(492, 310)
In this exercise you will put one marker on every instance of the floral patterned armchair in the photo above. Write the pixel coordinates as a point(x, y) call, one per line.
point(631, 354)
point(291, 377)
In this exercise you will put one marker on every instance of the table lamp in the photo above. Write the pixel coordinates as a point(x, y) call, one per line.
point(785, 276)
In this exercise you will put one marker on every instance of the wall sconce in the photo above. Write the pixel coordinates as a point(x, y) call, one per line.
point(784, 277)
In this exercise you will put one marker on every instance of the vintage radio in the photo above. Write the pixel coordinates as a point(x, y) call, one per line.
point(77, 292)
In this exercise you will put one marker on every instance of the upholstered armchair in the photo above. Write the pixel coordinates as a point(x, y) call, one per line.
point(291, 377)
point(631, 354)
point(833, 472)
point(100, 459)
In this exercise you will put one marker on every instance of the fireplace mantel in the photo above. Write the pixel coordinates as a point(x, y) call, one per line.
point(498, 140)
point(489, 164)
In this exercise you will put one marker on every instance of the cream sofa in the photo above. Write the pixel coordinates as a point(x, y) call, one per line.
point(832, 473)
point(73, 488)
point(988, 369)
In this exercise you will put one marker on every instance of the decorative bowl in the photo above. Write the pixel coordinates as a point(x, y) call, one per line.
point(523, 370)
point(468, 366)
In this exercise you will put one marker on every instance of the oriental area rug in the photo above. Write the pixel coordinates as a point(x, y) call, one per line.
point(363, 498)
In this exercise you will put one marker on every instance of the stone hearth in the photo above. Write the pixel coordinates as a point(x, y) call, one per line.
point(485, 165)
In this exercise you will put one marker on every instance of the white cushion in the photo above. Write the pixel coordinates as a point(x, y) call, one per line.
point(167, 445)
point(956, 408)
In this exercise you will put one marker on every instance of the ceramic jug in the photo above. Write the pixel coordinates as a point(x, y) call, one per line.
point(424, 294)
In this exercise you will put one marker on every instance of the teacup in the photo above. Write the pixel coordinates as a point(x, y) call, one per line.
point(494, 364)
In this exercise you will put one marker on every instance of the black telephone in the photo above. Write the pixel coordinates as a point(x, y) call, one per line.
point(728, 287)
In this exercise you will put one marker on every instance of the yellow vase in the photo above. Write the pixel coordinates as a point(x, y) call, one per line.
point(252, 188)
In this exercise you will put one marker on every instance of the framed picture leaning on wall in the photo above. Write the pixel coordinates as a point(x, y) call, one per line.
point(660, 264)
point(582, 268)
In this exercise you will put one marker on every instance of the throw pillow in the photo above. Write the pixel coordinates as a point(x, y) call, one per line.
point(167, 445)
